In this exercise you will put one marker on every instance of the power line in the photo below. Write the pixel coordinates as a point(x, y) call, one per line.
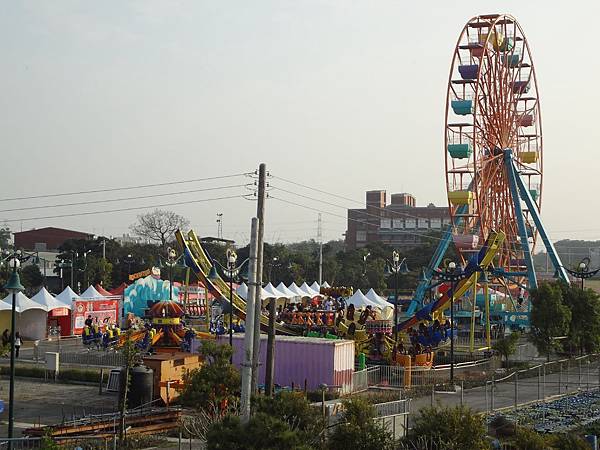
point(92, 202)
point(124, 188)
point(135, 208)
point(412, 233)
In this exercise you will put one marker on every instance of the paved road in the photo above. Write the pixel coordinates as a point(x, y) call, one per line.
point(50, 403)
point(528, 389)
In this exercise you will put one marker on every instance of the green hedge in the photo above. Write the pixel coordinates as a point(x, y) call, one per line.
point(65, 374)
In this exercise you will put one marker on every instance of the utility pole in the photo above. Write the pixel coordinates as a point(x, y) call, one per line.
point(247, 368)
point(320, 239)
point(260, 213)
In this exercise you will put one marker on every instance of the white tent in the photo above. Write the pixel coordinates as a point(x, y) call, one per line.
point(325, 285)
point(297, 291)
point(311, 292)
point(289, 294)
point(92, 293)
point(31, 317)
point(315, 287)
point(44, 298)
point(382, 302)
point(23, 303)
point(273, 292)
point(67, 296)
point(360, 301)
point(242, 290)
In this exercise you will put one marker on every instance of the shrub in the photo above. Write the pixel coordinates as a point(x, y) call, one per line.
point(357, 429)
point(458, 427)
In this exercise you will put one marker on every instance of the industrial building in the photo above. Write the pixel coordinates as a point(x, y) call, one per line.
point(401, 224)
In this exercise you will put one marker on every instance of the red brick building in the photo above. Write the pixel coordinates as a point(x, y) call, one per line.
point(46, 239)
point(400, 224)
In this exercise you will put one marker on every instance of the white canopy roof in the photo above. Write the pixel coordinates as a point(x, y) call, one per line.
point(315, 287)
point(375, 298)
point(91, 292)
point(325, 285)
point(67, 296)
point(284, 290)
point(360, 301)
point(242, 290)
point(311, 292)
point(49, 302)
point(273, 292)
point(23, 303)
point(297, 291)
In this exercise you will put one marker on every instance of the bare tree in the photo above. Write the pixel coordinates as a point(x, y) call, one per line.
point(159, 225)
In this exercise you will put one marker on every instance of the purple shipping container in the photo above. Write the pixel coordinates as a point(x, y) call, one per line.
point(316, 360)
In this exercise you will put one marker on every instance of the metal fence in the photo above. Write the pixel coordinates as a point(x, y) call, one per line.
point(401, 377)
point(93, 358)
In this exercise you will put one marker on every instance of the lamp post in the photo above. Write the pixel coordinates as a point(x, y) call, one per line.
point(231, 272)
point(14, 286)
point(395, 267)
point(452, 274)
point(583, 271)
point(171, 261)
point(129, 261)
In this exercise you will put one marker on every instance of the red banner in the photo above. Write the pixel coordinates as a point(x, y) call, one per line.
point(104, 310)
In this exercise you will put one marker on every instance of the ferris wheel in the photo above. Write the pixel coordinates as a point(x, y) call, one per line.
point(493, 142)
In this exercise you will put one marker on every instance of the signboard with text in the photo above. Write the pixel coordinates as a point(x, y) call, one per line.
point(106, 311)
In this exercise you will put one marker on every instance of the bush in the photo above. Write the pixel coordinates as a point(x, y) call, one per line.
point(526, 439)
point(92, 376)
point(568, 442)
point(501, 427)
point(293, 409)
point(458, 427)
point(262, 432)
point(357, 429)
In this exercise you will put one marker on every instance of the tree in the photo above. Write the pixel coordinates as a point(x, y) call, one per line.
point(358, 430)
point(457, 427)
point(159, 225)
point(506, 346)
point(31, 277)
point(131, 355)
point(214, 387)
point(549, 317)
point(584, 327)
point(99, 271)
point(4, 237)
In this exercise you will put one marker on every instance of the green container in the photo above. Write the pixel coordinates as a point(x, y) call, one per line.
point(460, 151)
point(462, 107)
point(362, 361)
point(534, 194)
point(511, 60)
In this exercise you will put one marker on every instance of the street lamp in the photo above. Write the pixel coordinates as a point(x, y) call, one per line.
point(395, 267)
point(453, 274)
point(13, 286)
point(583, 271)
point(171, 261)
point(231, 272)
point(129, 261)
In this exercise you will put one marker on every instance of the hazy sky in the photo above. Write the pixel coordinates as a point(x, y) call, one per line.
point(342, 95)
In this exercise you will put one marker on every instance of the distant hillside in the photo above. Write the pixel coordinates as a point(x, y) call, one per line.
point(571, 253)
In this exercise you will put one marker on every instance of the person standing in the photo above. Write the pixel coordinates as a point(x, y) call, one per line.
point(18, 343)
point(5, 338)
